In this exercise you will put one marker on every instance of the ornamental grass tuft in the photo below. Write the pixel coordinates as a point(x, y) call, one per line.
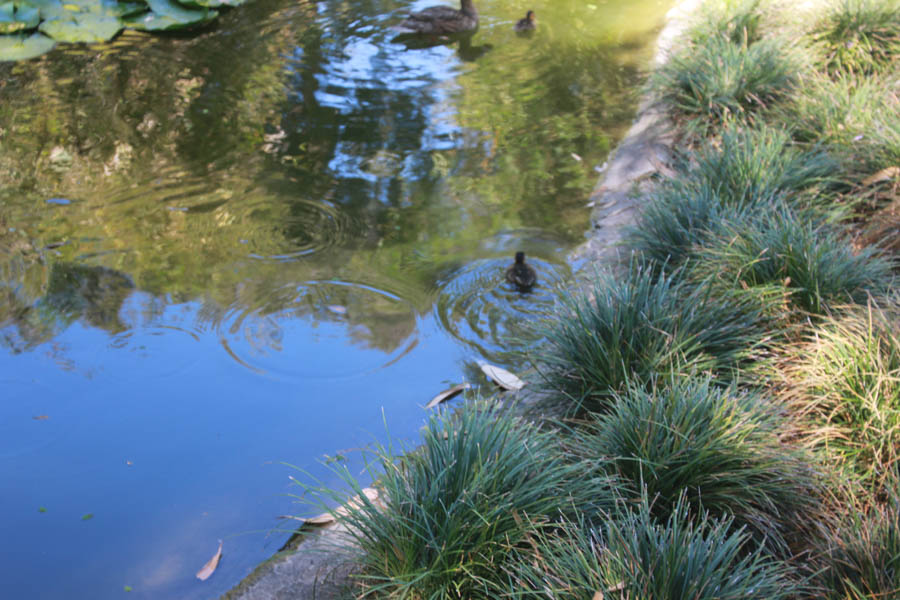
point(716, 80)
point(715, 449)
point(637, 556)
point(843, 383)
point(793, 261)
point(453, 511)
point(634, 326)
point(859, 37)
point(860, 559)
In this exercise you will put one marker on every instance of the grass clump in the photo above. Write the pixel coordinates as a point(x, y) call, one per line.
point(844, 383)
point(856, 118)
point(713, 448)
point(745, 171)
point(636, 326)
point(718, 80)
point(859, 37)
point(636, 555)
point(861, 556)
point(737, 21)
point(454, 510)
point(802, 262)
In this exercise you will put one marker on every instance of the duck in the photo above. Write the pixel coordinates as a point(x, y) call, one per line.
point(527, 23)
point(520, 274)
point(442, 20)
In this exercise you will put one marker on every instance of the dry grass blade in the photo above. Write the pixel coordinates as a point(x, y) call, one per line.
point(209, 568)
point(882, 175)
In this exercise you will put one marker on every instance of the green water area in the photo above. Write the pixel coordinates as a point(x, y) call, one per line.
point(268, 241)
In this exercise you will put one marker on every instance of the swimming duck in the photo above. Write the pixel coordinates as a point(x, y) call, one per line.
point(520, 274)
point(440, 20)
point(527, 23)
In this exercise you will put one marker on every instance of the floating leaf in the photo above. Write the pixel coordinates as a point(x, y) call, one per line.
point(127, 588)
point(209, 568)
point(167, 14)
point(40, 417)
point(212, 3)
point(447, 394)
point(337, 309)
point(42, 509)
point(87, 517)
point(20, 47)
point(14, 17)
point(85, 27)
point(502, 377)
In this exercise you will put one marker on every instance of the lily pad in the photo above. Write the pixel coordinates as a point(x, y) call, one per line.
point(22, 47)
point(14, 17)
point(212, 3)
point(87, 27)
point(167, 14)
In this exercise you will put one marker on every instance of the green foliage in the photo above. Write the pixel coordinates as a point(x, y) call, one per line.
point(814, 267)
point(717, 80)
point(716, 449)
point(745, 171)
point(455, 509)
point(844, 381)
point(637, 326)
point(860, 559)
point(677, 218)
point(855, 118)
point(738, 21)
point(859, 37)
point(638, 556)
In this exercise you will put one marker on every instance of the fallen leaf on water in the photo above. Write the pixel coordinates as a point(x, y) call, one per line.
point(127, 588)
point(41, 417)
point(502, 377)
point(447, 394)
point(210, 567)
point(87, 517)
point(337, 309)
point(882, 175)
point(42, 509)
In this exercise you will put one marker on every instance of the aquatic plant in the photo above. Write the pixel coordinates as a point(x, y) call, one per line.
point(453, 511)
point(29, 28)
point(633, 327)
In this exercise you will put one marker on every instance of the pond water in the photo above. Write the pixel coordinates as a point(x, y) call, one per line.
point(269, 242)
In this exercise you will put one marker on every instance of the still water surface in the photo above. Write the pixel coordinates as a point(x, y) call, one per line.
point(263, 244)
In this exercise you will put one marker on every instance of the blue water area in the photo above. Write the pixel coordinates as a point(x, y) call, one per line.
point(268, 243)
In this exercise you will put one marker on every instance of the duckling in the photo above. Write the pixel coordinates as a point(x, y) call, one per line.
point(527, 23)
point(520, 274)
point(441, 20)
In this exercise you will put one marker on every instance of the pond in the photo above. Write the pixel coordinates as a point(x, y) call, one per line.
point(268, 242)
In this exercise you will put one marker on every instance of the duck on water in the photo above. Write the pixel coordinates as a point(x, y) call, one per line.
point(442, 20)
point(521, 274)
